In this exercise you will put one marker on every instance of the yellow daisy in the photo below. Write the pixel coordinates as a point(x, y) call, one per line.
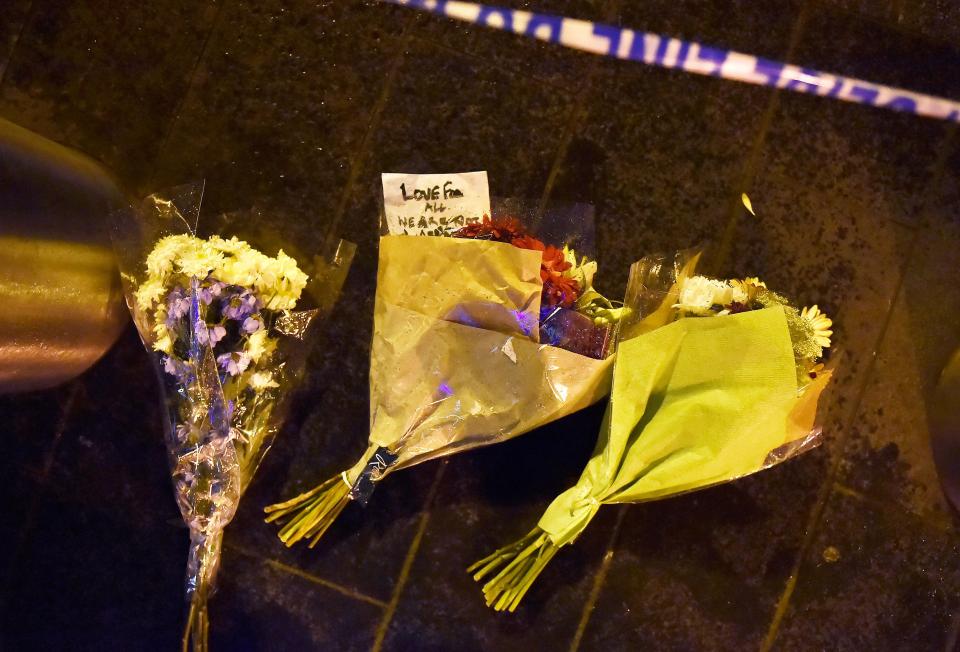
point(820, 323)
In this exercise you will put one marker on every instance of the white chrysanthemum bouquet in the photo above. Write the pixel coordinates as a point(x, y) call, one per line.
point(225, 325)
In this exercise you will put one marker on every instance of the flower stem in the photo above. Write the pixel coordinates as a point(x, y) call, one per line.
point(197, 630)
point(518, 564)
point(310, 514)
point(202, 566)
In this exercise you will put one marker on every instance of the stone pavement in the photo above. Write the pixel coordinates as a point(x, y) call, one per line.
point(296, 107)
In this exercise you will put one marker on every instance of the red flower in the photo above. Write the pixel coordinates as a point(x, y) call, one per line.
point(558, 290)
point(527, 242)
point(499, 230)
point(553, 260)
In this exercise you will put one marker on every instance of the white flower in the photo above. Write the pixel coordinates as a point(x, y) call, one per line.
point(199, 260)
point(262, 380)
point(149, 293)
point(280, 301)
point(259, 345)
point(164, 253)
point(238, 270)
point(164, 344)
point(231, 246)
point(699, 293)
point(282, 281)
point(747, 288)
point(287, 267)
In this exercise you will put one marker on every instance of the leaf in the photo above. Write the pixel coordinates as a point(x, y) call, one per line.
point(747, 203)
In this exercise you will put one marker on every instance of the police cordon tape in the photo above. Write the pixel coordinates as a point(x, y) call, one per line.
point(690, 56)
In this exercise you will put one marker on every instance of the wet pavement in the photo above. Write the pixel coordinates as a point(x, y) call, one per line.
point(296, 107)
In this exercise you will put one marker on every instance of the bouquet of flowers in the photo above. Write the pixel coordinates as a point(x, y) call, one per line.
point(713, 380)
point(225, 329)
point(478, 338)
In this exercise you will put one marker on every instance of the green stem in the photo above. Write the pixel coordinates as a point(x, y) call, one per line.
point(202, 566)
point(197, 630)
point(519, 565)
point(309, 515)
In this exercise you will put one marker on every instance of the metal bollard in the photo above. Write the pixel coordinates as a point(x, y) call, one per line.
point(944, 417)
point(61, 304)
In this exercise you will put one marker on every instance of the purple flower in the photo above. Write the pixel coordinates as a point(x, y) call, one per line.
point(217, 333)
point(241, 306)
point(178, 304)
point(170, 366)
point(183, 432)
point(233, 363)
point(208, 292)
point(208, 335)
point(251, 325)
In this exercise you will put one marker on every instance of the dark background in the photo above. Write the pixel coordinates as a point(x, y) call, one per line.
point(297, 107)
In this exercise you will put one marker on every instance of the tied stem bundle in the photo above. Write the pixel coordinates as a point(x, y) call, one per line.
point(309, 515)
point(202, 567)
point(196, 634)
point(519, 565)
point(713, 380)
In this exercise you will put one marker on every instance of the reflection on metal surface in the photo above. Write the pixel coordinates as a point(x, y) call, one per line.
point(61, 296)
point(945, 429)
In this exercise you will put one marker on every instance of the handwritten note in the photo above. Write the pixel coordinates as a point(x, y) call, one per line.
point(434, 204)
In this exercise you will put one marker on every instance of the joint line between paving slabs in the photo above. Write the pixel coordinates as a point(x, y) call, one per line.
point(827, 489)
point(356, 164)
point(333, 586)
point(953, 640)
point(829, 485)
point(577, 115)
point(942, 524)
point(27, 19)
point(598, 581)
point(175, 115)
point(302, 574)
point(722, 252)
point(844, 490)
point(61, 428)
point(408, 561)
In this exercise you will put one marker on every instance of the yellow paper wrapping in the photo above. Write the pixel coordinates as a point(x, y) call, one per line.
point(491, 285)
point(454, 361)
